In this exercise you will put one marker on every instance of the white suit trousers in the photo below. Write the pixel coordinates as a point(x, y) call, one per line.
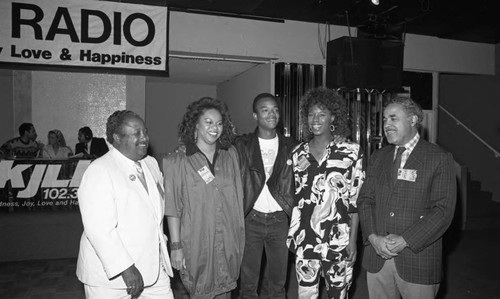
point(160, 290)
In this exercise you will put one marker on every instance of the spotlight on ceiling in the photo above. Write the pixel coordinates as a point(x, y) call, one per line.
point(375, 2)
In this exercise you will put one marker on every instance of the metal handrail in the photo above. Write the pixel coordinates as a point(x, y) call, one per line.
point(497, 154)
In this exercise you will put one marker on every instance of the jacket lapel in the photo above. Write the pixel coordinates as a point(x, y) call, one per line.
point(153, 196)
point(91, 149)
point(281, 156)
point(256, 164)
point(416, 157)
point(387, 161)
point(156, 200)
point(129, 172)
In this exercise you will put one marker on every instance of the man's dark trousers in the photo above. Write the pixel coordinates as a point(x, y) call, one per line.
point(265, 231)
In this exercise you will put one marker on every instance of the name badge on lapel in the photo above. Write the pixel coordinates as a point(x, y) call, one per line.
point(206, 174)
point(409, 175)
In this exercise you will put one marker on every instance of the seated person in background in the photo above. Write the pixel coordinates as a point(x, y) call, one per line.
point(90, 147)
point(56, 149)
point(25, 146)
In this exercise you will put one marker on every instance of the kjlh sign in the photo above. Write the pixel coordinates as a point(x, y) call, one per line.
point(75, 33)
point(35, 184)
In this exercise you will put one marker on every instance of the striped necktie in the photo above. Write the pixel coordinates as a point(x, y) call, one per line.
point(140, 175)
point(397, 162)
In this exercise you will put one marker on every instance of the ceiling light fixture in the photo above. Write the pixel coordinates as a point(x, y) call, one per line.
point(375, 2)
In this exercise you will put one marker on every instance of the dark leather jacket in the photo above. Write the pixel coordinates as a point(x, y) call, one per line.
point(280, 184)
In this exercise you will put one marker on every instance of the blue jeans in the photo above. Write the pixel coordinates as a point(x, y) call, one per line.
point(265, 232)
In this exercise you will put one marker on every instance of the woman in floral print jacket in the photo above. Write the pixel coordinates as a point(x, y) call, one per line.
point(328, 176)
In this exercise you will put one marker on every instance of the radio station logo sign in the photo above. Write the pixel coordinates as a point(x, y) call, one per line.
point(84, 33)
point(40, 184)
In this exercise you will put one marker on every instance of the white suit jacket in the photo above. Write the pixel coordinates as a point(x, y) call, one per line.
point(123, 224)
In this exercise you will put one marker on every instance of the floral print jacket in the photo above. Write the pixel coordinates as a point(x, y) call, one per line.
point(325, 192)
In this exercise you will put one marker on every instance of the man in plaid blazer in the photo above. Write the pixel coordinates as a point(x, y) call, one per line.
point(405, 205)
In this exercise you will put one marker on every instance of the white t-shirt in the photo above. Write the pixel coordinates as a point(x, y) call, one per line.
point(269, 150)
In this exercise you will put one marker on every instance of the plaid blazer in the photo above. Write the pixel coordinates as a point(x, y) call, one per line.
point(420, 211)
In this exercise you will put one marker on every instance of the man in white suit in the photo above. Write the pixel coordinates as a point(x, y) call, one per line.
point(123, 251)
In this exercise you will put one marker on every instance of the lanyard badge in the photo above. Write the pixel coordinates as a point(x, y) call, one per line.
point(206, 174)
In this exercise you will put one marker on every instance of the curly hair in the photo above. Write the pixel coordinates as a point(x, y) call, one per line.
point(115, 122)
point(410, 107)
point(326, 99)
point(187, 127)
point(59, 137)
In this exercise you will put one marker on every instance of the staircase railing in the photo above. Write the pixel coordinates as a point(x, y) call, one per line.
point(461, 171)
point(459, 123)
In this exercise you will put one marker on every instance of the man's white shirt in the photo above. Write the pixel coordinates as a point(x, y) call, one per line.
point(269, 150)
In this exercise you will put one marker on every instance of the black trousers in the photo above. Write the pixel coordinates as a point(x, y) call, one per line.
point(265, 232)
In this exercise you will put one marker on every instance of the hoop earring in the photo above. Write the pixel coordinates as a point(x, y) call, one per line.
point(310, 129)
point(332, 128)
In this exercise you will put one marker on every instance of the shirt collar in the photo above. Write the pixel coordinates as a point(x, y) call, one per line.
point(192, 148)
point(126, 160)
point(410, 145)
point(329, 145)
point(275, 138)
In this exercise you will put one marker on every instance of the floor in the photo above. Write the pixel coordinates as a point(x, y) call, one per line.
point(472, 260)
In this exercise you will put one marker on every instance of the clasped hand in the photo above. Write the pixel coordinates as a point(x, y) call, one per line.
point(395, 243)
point(389, 246)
